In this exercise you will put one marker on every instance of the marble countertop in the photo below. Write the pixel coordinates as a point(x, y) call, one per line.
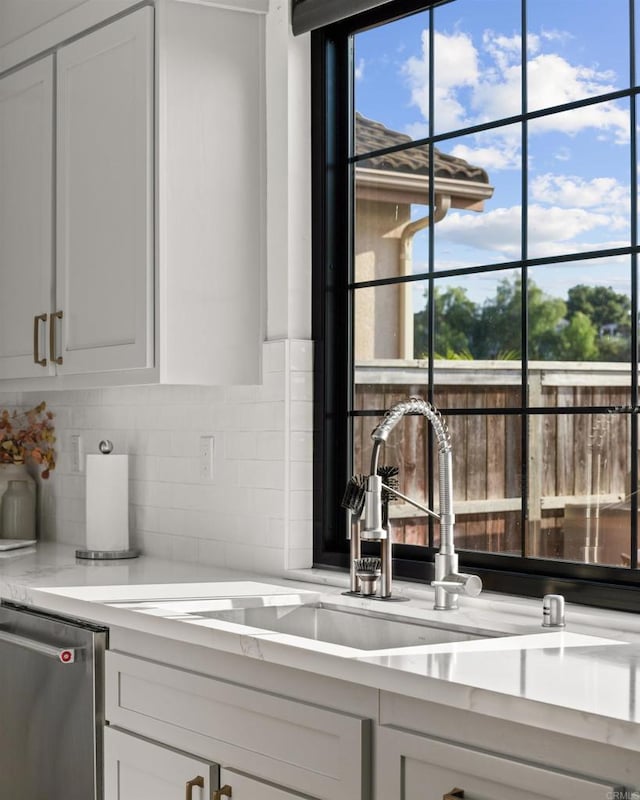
point(582, 681)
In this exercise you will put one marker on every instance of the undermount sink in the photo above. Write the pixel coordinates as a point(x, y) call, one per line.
point(363, 630)
point(317, 620)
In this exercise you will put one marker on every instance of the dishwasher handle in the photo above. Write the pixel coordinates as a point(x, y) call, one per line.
point(65, 655)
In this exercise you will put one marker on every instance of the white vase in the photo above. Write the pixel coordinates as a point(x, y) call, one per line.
point(17, 472)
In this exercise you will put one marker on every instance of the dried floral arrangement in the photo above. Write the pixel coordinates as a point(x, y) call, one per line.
point(28, 436)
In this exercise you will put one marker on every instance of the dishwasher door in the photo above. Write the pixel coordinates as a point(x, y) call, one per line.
point(51, 706)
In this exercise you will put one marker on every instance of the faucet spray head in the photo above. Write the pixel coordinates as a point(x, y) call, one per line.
point(373, 529)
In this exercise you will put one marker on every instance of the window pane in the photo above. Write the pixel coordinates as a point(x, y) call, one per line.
point(486, 454)
point(478, 341)
point(391, 79)
point(483, 223)
point(578, 488)
point(579, 182)
point(392, 215)
point(580, 315)
point(384, 329)
point(486, 475)
point(477, 63)
point(576, 50)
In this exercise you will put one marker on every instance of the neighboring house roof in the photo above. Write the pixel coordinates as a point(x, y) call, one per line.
point(408, 170)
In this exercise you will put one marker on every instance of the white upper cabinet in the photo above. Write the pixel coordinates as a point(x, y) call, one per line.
point(26, 258)
point(104, 210)
point(158, 202)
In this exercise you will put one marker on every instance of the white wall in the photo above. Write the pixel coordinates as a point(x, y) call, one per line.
point(256, 514)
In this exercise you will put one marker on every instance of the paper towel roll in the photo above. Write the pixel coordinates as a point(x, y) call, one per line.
point(107, 502)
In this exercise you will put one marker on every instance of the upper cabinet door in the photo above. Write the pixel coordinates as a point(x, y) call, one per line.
point(26, 210)
point(104, 278)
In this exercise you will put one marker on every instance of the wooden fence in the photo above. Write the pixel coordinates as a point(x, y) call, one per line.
point(578, 463)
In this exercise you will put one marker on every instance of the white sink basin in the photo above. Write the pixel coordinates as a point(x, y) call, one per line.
point(363, 630)
point(325, 620)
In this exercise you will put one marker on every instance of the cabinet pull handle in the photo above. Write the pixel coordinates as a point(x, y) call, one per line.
point(220, 793)
point(52, 338)
point(454, 794)
point(199, 781)
point(36, 340)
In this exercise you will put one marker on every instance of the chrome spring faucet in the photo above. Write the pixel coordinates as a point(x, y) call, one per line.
point(448, 583)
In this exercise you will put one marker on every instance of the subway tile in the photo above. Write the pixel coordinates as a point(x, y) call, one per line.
point(301, 416)
point(300, 558)
point(300, 534)
point(301, 355)
point(276, 533)
point(261, 474)
point(273, 356)
point(243, 557)
point(270, 445)
point(271, 560)
point(301, 386)
point(300, 505)
point(273, 387)
point(302, 476)
point(212, 551)
point(240, 445)
point(301, 446)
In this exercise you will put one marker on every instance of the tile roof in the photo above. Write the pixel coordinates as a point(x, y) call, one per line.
point(371, 135)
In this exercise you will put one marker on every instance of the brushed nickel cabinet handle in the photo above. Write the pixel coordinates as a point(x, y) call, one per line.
point(52, 337)
point(454, 794)
point(220, 793)
point(36, 340)
point(199, 781)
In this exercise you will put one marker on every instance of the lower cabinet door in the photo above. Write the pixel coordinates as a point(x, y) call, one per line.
point(413, 767)
point(239, 787)
point(136, 769)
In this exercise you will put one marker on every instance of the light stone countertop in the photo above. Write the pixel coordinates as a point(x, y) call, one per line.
point(582, 681)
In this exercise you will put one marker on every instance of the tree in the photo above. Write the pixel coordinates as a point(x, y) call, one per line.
point(578, 340)
point(455, 322)
point(501, 322)
point(602, 305)
point(557, 330)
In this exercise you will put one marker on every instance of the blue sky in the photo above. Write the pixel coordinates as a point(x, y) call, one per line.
point(579, 170)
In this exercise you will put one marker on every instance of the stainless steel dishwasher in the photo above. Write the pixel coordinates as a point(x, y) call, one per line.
point(51, 706)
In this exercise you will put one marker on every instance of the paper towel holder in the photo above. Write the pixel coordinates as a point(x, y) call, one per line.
point(106, 447)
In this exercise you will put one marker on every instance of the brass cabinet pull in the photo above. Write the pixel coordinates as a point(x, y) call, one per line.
point(36, 340)
point(199, 781)
point(52, 338)
point(220, 793)
point(454, 794)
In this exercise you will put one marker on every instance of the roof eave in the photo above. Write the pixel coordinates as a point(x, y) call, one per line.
point(391, 186)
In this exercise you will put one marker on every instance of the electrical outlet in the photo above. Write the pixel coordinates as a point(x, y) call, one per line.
point(77, 453)
point(206, 457)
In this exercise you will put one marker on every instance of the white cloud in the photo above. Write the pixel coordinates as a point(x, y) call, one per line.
point(552, 80)
point(497, 231)
point(359, 70)
point(502, 155)
point(475, 85)
point(456, 66)
point(571, 191)
point(552, 230)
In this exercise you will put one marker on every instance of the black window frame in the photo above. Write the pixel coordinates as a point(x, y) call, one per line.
point(332, 282)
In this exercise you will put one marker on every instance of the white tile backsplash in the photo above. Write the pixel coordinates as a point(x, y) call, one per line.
point(256, 512)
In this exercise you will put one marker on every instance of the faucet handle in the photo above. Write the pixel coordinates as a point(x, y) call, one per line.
point(460, 583)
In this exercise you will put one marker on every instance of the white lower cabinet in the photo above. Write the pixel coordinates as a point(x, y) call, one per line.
point(414, 767)
point(135, 768)
point(169, 726)
point(283, 748)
